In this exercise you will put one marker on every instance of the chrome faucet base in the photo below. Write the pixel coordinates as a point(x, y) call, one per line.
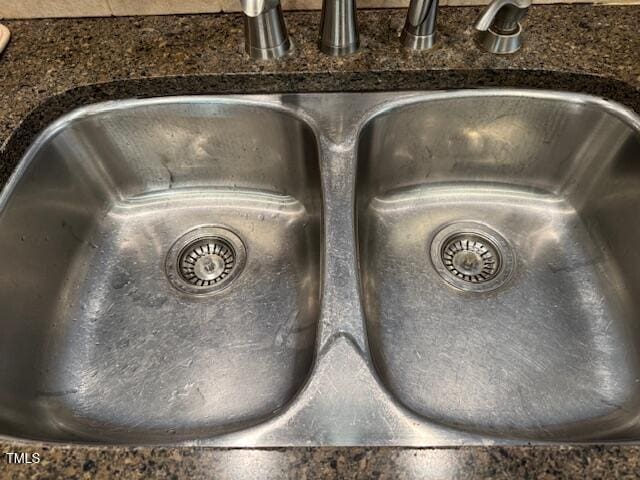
point(417, 42)
point(266, 35)
point(500, 43)
point(499, 25)
point(338, 51)
point(419, 32)
point(269, 53)
point(339, 28)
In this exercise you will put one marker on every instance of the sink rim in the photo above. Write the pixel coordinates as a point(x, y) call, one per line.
point(378, 103)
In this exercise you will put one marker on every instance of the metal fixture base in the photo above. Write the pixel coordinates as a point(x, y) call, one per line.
point(338, 51)
point(500, 43)
point(266, 35)
point(417, 42)
point(269, 53)
point(338, 28)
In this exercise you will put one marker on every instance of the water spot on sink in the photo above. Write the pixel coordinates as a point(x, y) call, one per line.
point(120, 280)
point(157, 301)
point(188, 363)
point(287, 333)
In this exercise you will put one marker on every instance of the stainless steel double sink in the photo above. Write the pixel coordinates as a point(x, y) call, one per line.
point(417, 269)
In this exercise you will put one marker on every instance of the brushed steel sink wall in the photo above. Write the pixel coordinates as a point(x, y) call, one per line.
point(552, 353)
point(98, 344)
point(338, 330)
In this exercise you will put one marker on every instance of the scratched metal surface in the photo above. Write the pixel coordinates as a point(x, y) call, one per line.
point(338, 331)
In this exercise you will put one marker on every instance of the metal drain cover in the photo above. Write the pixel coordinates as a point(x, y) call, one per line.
point(471, 256)
point(205, 260)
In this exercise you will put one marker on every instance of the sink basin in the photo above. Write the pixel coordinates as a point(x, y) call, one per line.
point(391, 268)
point(98, 344)
point(536, 334)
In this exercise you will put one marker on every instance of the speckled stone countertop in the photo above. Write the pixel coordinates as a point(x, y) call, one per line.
point(53, 66)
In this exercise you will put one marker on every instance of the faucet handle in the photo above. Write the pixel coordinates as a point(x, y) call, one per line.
point(490, 12)
point(499, 25)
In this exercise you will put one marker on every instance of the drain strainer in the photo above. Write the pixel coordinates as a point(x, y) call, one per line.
point(205, 260)
point(471, 256)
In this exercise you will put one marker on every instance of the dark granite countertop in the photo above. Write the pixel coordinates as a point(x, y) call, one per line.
point(53, 66)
